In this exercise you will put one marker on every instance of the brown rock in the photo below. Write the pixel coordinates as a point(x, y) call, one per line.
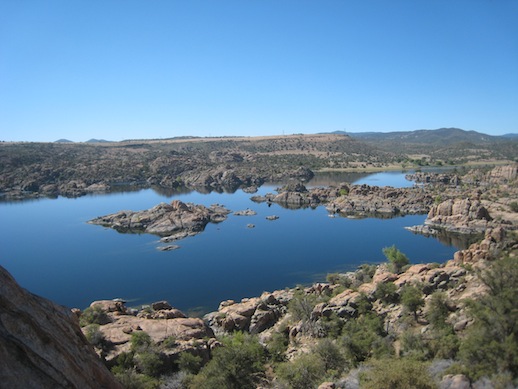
point(458, 381)
point(42, 346)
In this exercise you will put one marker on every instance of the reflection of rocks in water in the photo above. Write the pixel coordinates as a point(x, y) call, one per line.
point(170, 192)
point(365, 215)
point(460, 241)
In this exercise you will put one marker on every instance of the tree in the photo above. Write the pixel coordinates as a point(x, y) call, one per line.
point(412, 299)
point(396, 258)
point(491, 345)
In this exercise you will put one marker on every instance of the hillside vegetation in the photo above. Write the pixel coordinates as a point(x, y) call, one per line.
point(74, 169)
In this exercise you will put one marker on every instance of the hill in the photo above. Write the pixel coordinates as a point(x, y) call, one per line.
point(98, 141)
point(441, 136)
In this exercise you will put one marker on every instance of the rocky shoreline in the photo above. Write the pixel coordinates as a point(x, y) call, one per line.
point(301, 316)
point(271, 312)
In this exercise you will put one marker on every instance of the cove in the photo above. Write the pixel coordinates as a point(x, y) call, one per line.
point(51, 250)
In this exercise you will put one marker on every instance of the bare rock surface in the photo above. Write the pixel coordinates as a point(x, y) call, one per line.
point(464, 216)
point(42, 346)
point(175, 220)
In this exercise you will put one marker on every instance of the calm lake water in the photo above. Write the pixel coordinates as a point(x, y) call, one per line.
point(51, 250)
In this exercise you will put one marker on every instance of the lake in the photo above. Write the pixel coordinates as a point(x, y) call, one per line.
point(50, 249)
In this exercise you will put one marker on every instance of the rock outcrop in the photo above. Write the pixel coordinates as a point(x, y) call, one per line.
point(366, 200)
point(462, 216)
point(353, 200)
point(42, 346)
point(162, 322)
point(175, 220)
point(503, 174)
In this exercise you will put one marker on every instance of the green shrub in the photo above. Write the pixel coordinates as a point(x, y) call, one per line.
point(412, 299)
point(94, 335)
point(301, 306)
point(364, 273)
point(333, 278)
point(169, 342)
point(396, 258)
point(438, 310)
point(190, 363)
point(331, 356)
point(305, 372)
point(149, 363)
point(277, 346)
point(386, 292)
point(402, 373)
point(93, 315)
point(514, 206)
point(238, 364)
point(332, 325)
point(363, 338)
point(413, 345)
point(130, 379)
point(140, 341)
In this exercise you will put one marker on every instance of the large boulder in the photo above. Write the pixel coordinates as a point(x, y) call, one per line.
point(42, 346)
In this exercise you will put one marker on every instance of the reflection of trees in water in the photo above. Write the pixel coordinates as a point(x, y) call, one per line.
point(335, 178)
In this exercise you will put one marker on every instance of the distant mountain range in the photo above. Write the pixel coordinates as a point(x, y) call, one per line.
point(439, 136)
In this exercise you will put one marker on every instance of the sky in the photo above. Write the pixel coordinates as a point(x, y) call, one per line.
point(130, 69)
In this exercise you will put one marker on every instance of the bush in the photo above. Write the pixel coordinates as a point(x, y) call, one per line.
point(140, 341)
point(169, 342)
point(412, 299)
point(438, 310)
point(93, 315)
point(363, 338)
point(94, 335)
point(386, 292)
point(305, 372)
point(402, 373)
point(130, 379)
point(190, 363)
point(331, 356)
point(277, 346)
point(149, 363)
point(301, 306)
point(396, 258)
point(238, 364)
point(514, 206)
point(332, 325)
point(333, 278)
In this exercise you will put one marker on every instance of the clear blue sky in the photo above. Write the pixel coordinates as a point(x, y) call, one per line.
point(155, 69)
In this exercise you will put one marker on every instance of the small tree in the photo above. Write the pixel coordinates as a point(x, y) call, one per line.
point(396, 258)
point(386, 292)
point(412, 299)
